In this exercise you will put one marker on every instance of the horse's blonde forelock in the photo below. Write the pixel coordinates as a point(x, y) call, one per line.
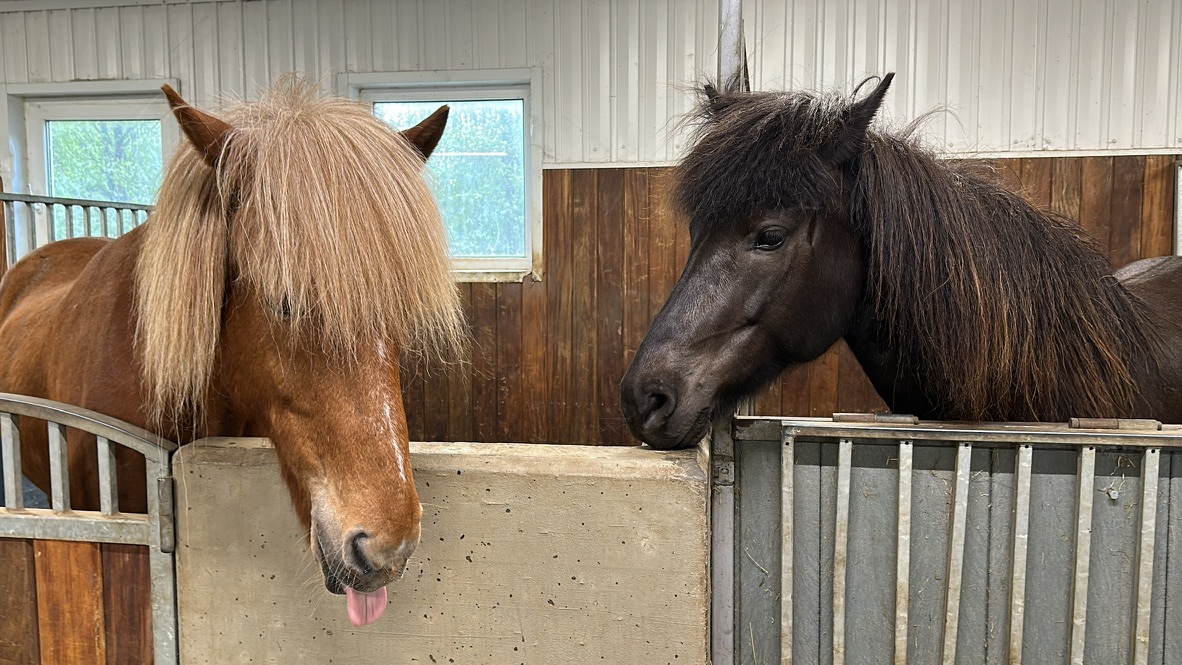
point(331, 219)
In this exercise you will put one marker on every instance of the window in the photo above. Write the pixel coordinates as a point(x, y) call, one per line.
point(485, 172)
point(101, 149)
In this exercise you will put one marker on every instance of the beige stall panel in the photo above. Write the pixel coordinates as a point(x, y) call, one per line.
point(529, 554)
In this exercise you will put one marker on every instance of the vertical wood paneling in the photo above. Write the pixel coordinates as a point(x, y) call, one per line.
point(19, 643)
point(460, 385)
point(582, 426)
point(614, 250)
point(1096, 202)
point(509, 365)
point(559, 296)
point(70, 602)
point(1125, 232)
point(1157, 208)
point(609, 315)
point(484, 362)
point(536, 377)
point(127, 603)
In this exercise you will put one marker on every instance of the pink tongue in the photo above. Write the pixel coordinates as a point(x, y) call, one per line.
point(365, 608)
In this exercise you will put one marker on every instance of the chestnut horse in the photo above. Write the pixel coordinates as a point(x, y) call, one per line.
point(960, 300)
point(295, 251)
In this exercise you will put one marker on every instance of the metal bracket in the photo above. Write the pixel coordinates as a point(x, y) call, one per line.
point(723, 472)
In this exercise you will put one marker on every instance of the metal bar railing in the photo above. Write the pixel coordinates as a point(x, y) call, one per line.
point(1083, 553)
point(787, 538)
point(1020, 543)
point(903, 552)
point(108, 525)
point(1020, 444)
point(845, 452)
point(1143, 590)
point(956, 550)
point(32, 221)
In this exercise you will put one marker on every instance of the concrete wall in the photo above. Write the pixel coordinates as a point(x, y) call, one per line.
point(530, 554)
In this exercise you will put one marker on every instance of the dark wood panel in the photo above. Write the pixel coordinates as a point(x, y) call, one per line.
point(1124, 236)
point(609, 289)
point(19, 644)
point(560, 289)
point(584, 203)
point(127, 601)
point(508, 352)
point(535, 377)
point(1096, 203)
point(1157, 208)
point(459, 386)
point(70, 615)
point(548, 355)
point(484, 362)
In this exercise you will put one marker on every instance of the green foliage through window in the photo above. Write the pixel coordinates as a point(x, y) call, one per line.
point(478, 172)
point(102, 160)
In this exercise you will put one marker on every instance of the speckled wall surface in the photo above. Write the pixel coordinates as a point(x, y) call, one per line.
point(529, 554)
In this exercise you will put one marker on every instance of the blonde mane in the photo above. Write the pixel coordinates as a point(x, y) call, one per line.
point(317, 208)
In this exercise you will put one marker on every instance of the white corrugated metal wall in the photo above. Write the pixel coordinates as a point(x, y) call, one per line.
point(1017, 75)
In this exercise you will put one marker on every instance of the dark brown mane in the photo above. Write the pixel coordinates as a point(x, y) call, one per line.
point(1002, 311)
point(1005, 311)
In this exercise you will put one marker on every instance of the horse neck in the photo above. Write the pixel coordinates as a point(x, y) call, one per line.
point(881, 364)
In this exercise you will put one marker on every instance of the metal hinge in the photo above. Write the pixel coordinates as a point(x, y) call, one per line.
point(166, 507)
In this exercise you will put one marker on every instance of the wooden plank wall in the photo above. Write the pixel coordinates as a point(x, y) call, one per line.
point(74, 602)
point(548, 356)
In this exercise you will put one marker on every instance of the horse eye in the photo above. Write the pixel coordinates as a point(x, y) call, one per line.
point(285, 309)
point(770, 238)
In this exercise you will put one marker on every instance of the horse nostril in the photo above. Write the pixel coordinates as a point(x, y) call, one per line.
point(661, 403)
point(357, 555)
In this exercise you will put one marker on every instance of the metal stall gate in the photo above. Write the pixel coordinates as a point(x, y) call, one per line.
point(32, 221)
point(107, 525)
point(867, 539)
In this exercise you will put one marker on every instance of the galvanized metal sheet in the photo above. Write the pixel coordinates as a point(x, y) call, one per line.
point(1060, 552)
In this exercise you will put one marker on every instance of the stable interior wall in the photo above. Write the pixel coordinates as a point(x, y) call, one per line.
point(547, 357)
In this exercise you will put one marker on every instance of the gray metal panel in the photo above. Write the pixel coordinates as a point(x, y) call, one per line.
point(757, 558)
point(1050, 553)
point(1118, 546)
point(1116, 528)
point(806, 556)
point(828, 515)
point(985, 584)
point(1165, 634)
point(871, 567)
point(931, 484)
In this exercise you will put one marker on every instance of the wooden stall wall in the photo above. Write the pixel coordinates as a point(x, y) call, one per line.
point(548, 356)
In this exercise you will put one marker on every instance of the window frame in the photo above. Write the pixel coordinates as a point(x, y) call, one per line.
point(40, 111)
point(476, 85)
point(14, 97)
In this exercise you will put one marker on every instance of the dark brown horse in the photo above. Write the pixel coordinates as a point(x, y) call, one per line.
point(294, 252)
point(960, 300)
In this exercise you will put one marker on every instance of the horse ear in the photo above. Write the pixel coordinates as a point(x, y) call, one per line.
point(425, 135)
point(714, 100)
point(207, 133)
point(858, 117)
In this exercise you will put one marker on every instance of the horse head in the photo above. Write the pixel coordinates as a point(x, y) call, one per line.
point(776, 268)
point(295, 253)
